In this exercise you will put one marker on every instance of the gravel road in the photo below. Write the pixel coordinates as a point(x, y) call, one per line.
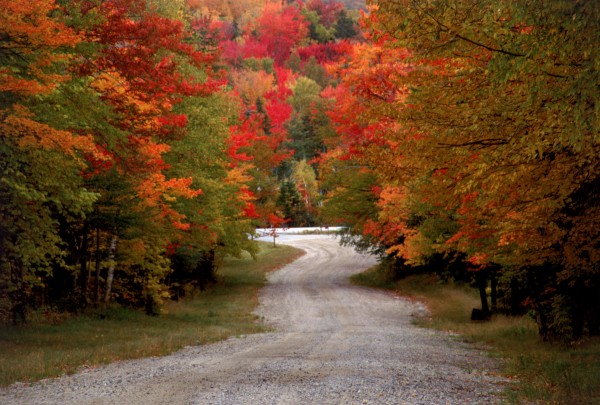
point(333, 344)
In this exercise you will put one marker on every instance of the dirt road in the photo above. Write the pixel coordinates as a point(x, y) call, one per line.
point(333, 344)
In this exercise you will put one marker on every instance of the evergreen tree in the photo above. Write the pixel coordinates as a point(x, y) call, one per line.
point(290, 202)
point(345, 27)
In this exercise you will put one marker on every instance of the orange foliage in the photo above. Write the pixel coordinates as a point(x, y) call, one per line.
point(252, 85)
point(29, 33)
point(226, 8)
point(157, 191)
point(28, 133)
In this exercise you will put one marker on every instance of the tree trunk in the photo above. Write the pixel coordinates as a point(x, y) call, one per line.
point(17, 295)
point(83, 267)
point(97, 271)
point(482, 285)
point(205, 270)
point(494, 288)
point(111, 269)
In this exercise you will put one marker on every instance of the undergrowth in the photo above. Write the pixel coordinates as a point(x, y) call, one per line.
point(55, 344)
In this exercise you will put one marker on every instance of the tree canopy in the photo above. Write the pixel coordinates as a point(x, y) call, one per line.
point(480, 121)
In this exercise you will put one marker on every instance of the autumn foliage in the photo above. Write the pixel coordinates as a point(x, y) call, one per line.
point(96, 103)
point(480, 134)
point(143, 140)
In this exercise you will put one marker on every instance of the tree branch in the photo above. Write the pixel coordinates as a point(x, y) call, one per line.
point(471, 41)
point(481, 142)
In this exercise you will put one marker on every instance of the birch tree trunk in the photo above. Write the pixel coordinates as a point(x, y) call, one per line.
point(111, 269)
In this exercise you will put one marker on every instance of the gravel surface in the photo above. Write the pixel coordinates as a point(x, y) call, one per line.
point(334, 344)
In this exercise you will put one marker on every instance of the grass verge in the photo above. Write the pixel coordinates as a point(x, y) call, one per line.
point(38, 350)
point(543, 373)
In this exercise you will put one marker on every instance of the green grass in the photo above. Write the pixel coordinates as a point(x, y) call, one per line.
point(543, 373)
point(44, 349)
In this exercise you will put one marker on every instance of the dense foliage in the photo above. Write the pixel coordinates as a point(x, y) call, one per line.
point(479, 122)
point(143, 140)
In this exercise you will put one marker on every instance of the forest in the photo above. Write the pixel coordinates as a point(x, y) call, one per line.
point(142, 141)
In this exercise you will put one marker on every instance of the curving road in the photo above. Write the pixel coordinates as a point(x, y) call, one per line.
point(334, 344)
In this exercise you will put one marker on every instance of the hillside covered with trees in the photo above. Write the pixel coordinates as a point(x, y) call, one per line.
point(141, 141)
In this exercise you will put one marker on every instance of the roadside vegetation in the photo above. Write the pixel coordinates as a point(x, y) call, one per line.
point(542, 372)
point(53, 344)
point(459, 149)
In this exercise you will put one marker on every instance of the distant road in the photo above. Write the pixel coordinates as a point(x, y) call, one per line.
point(299, 230)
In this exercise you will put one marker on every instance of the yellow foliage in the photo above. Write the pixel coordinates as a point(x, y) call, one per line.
point(252, 85)
point(33, 36)
point(239, 174)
